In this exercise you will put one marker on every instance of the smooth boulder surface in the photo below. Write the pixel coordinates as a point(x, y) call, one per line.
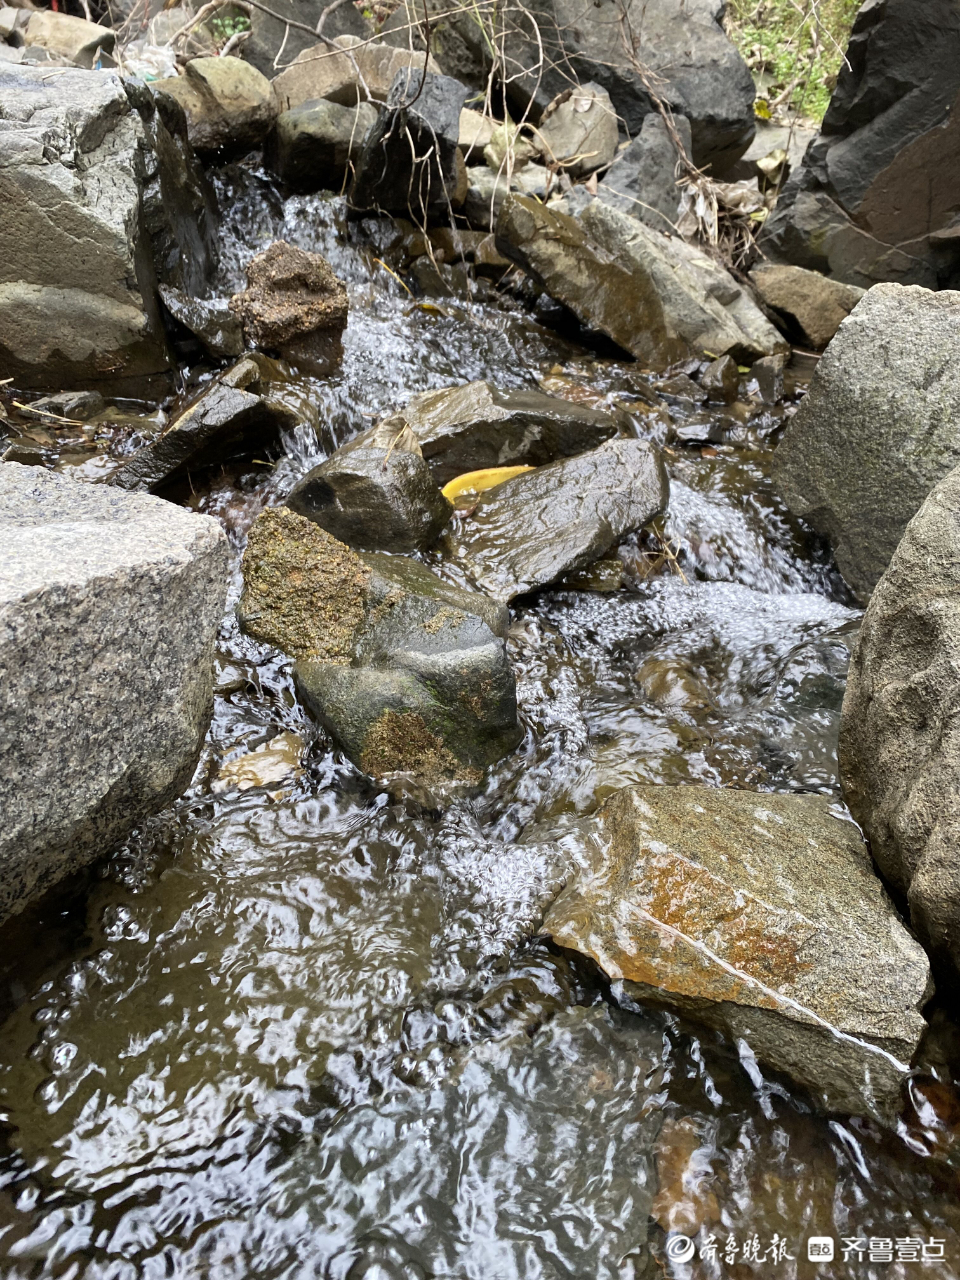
point(579, 132)
point(99, 198)
point(208, 319)
point(350, 72)
point(811, 306)
point(879, 427)
point(294, 305)
point(478, 425)
point(74, 39)
point(411, 163)
point(317, 144)
point(375, 494)
point(229, 105)
point(533, 529)
point(109, 609)
point(899, 737)
point(235, 416)
point(659, 298)
point(409, 674)
point(759, 915)
point(877, 197)
point(283, 30)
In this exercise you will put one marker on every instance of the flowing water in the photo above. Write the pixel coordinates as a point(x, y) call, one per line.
point(301, 1027)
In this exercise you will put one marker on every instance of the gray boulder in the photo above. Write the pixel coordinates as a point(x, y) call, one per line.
point(410, 162)
point(99, 198)
point(486, 191)
point(878, 193)
point(810, 306)
point(376, 493)
point(579, 131)
point(660, 298)
point(229, 105)
point(899, 737)
point(348, 71)
point(283, 30)
point(879, 427)
point(209, 319)
point(235, 416)
point(759, 915)
point(642, 180)
point(109, 608)
point(531, 530)
point(409, 674)
point(478, 425)
point(316, 146)
point(73, 39)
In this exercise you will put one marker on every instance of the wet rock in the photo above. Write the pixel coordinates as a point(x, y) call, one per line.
point(410, 163)
point(351, 72)
point(294, 305)
point(660, 298)
point(877, 196)
point(209, 319)
point(270, 764)
point(811, 307)
point(235, 416)
point(874, 434)
point(73, 39)
point(478, 425)
point(375, 493)
point(759, 915)
point(642, 181)
point(229, 106)
point(409, 674)
point(721, 380)
point(899, 745)
point(79, 405)
point(110, 604)
point(579, 130)
point(766, 379)
point(98, 196)
point(274, 42)
point(533, 529)
point(316, 145)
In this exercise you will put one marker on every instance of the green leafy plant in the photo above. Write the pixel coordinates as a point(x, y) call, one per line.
point(224, 26)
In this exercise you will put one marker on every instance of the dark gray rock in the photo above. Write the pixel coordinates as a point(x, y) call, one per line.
point(766, 379)
point(660, 298)
point(721, 380)
point(109, 609)
point(316, 146)
point(878, 194)
point(79, 405)
point(899, 738)
point(209, 319)
point(235, 416)
point(533, 529)
point(879, 427)
point(229, 105)
point(375, 494)
point(98, 199)
point(410, 163)
point(408, 673)
point(642, 180)
point(810, 306)
point(478, 425)
point(759, 915)
point(274, 44)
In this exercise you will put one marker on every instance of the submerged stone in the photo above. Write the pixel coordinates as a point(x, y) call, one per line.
point(759, 915)
point(539, 526)
point(409, 674)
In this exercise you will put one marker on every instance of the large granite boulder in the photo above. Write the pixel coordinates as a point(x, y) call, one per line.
point(660, 298)
point(531, 530)
point(899, 735)
point(878, 195)
point(281, 31)
point(478, 425)
point(376, 493)
point(759, 915)
point(109, 608)
point(229, 105)
point(238, 414)
point(878, 428)
point(677, 47)
point(409, 674)
point(100, 196)
point(410, 162)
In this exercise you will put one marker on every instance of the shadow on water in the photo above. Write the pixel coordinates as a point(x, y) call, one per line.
point(305, 1028)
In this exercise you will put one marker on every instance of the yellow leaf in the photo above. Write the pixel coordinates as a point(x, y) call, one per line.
point(477, 481)
point(761, 109)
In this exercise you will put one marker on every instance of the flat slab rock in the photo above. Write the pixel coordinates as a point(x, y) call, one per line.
point(478, 425)
point(408, 673)
point(759, 915)
point(533, 529)
point(109, 609)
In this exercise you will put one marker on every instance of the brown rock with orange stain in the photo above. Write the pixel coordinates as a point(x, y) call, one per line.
point(760, 915)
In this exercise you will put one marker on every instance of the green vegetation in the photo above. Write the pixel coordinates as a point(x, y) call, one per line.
point(223, 26)
point(794, 48)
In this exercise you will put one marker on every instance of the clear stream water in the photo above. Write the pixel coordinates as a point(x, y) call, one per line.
point(305, 1029)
